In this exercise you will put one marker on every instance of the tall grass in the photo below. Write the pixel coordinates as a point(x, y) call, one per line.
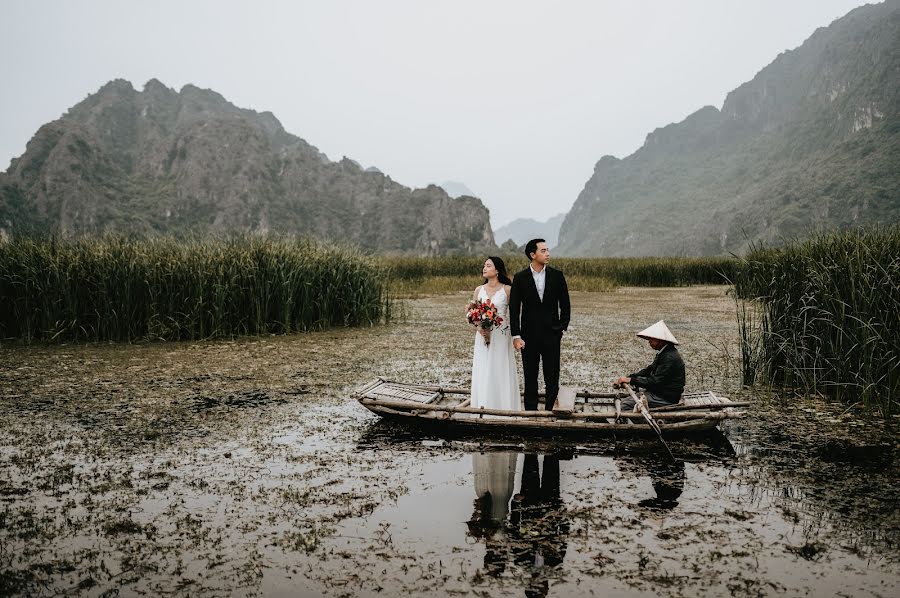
point(663, 272)
point(115, 289)
point(825, 316)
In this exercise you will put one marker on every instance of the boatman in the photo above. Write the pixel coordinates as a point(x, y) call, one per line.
point(662, 380)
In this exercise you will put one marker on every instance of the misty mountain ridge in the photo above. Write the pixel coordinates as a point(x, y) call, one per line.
point(812, 141)
point(165, 162)
point(522, 230)
point(457, 189)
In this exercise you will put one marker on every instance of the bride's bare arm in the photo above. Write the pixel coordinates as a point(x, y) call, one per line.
point(474, 298)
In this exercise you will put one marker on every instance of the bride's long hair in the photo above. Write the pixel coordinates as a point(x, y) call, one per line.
point(502, 276)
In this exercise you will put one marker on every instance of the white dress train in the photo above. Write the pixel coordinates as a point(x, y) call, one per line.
point(495, 383)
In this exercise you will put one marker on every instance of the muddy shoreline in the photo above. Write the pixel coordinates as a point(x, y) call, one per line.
point(241, 468)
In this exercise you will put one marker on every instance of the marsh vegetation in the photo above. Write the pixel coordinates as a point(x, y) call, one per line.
point(824, 316)
point(113, 288)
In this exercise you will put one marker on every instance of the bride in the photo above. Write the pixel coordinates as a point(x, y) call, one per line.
point(495, 384)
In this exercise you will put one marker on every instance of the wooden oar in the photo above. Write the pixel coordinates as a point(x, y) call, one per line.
point(652, 422)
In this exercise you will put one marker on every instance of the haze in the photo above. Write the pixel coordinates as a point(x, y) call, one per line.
point(517, 100)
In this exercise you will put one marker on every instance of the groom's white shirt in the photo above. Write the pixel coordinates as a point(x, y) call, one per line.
point(540, 283)
point(540, 280)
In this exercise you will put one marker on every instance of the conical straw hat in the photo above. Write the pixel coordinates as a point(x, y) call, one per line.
point(659, 331)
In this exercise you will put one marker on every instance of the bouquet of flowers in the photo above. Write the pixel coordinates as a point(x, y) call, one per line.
point(483, 315)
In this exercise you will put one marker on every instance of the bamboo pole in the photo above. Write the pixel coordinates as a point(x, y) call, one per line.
point(660, 416)
point(717, 406)
point(645, 413)
point(463, 404)
point(585, 394)
point(476, 422)
point(422, 407)
point(399, 403)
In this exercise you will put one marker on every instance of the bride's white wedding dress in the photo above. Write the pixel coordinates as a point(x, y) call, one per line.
point(495, 383)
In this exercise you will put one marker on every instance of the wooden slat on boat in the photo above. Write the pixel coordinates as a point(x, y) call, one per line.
point(565, 402)
point(391, 390)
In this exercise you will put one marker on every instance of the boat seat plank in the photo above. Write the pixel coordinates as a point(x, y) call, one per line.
point(565, 401)
point(390, 390)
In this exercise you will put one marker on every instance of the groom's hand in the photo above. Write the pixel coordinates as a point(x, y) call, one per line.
point(518, 344)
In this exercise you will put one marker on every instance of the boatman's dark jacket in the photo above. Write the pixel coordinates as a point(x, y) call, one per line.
point(665, 376)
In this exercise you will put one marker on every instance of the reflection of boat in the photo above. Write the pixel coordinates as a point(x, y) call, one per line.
point(579, 412)
point(385, 434)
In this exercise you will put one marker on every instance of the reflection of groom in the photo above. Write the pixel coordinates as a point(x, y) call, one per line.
point(539, 524)
point(539, 313)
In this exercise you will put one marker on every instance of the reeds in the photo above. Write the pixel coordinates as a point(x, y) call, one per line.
point(586, 273)
point(115, 289)
point(825, 316)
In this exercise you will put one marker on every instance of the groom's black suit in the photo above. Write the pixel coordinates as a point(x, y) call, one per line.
point(541, 324)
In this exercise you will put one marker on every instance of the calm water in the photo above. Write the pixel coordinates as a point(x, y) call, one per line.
point(241, 468)
point(619, 517)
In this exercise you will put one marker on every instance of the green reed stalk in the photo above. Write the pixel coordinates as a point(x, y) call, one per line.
point(829, 315)
point(663, 272)
point(113, 288)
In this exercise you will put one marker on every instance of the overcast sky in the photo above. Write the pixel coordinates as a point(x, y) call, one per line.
point(517, 100)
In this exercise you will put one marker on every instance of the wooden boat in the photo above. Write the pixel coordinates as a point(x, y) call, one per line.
point(574, 411)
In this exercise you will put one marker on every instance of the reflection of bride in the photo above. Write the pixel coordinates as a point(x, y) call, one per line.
point(495, 478)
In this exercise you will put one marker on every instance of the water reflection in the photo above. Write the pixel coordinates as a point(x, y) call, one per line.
point(667, 477)
point(518, 514)
point(536, 519)
point(539, 522)
point(495, 479)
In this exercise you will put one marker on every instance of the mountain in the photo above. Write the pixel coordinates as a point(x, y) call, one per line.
point(160, 161)
point(812, 141)
point(457, 189)
point(521, 230)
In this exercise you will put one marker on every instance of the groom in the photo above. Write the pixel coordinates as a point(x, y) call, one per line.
point(539, 314)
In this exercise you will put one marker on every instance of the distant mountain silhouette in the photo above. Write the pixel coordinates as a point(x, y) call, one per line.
point(521, 230)
point(456, 189)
